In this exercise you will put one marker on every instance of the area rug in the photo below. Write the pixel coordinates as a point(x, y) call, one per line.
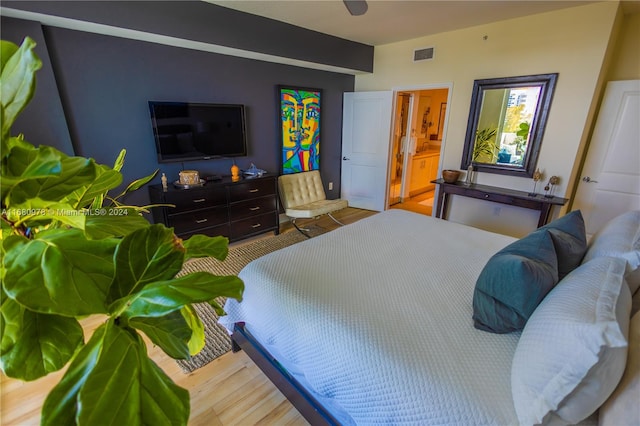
point(217, 340)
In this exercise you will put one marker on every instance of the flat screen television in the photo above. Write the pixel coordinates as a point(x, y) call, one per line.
point(197, 131)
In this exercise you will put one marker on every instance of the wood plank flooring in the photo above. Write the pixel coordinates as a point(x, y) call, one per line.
point(231, 390)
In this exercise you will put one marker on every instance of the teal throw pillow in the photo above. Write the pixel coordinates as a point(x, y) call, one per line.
point(569, 238)
point(513, 282)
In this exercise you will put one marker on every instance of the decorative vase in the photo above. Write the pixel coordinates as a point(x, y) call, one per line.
point(235, 172)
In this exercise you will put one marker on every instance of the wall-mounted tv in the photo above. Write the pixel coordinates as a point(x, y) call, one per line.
point(197, 131)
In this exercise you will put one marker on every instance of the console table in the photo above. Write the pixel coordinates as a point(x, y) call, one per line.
point(235, 210)
point(497, 195)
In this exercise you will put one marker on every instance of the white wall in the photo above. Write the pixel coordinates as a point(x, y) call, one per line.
point(572, 42)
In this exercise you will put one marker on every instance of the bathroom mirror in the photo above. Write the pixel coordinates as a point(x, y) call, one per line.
point(507, 118)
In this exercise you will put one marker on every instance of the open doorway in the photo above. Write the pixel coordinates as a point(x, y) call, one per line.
point(418, 131)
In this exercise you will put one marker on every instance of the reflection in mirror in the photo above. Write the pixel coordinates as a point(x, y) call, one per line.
point(506, 123)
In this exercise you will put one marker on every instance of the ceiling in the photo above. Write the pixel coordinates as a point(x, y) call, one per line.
point(388, 21)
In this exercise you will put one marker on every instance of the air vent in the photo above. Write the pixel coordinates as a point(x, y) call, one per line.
point(424, 54)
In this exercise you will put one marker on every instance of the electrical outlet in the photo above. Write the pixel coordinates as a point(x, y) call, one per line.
point(330, 186)
point(496, 211)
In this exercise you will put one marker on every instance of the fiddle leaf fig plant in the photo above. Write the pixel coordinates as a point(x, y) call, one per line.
point(70, 249)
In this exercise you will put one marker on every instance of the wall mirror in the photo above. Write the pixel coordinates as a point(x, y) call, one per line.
point(507, 118)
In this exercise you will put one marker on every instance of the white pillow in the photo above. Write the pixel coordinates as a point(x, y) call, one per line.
point(573, 349)
point(620, 237)
point(623, 407)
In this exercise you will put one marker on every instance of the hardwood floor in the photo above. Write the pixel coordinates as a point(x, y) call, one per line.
point(231, 390)
point(421, 203)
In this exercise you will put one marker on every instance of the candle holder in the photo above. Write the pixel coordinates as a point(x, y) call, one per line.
point(550, 186)
point(537, 175)
point(235, 172)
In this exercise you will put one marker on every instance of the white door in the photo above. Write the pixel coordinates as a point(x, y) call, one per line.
point(366, 135)
point(610, 181)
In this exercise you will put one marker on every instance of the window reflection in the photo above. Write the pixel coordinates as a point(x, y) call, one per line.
point(504, 125)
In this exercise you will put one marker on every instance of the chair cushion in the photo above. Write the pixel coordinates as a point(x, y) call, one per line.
point(299, 189)
point(513, 282)
point(316, 208)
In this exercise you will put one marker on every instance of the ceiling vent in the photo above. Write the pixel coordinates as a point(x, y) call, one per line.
point(424, 54)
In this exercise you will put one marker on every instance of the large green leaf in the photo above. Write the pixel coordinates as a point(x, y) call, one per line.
point(203, 246)
point(59, 272)
point(36, 212)
point(197, 340)
point(7, 49)
point(171, 332)
point(18, 82)
point(137, 184)
point(106, 179)
point(144, 256)
point(161, 298)
point(29, 163)
point(61, 405)
point(126, 388)
point(34, 345)
point(115, 222)
point(76, 173)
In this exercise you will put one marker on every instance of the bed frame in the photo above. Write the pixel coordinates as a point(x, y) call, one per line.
point(310, 408)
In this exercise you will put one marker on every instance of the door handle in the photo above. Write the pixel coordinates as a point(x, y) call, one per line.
point(346, 159)
point(587, 179)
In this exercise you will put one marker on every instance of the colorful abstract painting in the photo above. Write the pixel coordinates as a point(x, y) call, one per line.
point(300, 129)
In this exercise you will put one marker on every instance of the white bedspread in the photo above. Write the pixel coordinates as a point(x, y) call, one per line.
point(375, 318)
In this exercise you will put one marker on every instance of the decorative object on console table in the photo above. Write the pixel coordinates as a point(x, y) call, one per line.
point(235, 210)
point(468, 179)
point(299, 114)
point(510, 197)
point(537, 175)
point(450, 176)
point(548, 189)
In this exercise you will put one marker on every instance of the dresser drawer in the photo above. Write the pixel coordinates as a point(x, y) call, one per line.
point(193, 220)
point(489, 196)
point(252, 207)
point(191, 199)
point(251, 189)
point(214, 231)
point(253, 225)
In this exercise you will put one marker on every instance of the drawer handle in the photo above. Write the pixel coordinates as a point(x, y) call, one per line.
point(200, 200)
point(257, 225)
point(253, 209)
point(254, 190)
point(486, 195)
point(201, 221)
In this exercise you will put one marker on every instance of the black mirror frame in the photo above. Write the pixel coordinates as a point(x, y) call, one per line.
point(547, 83)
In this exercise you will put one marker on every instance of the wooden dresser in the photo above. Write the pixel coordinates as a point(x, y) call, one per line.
point(235, 210)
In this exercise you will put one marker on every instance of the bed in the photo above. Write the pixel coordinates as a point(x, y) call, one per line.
point(372, 324)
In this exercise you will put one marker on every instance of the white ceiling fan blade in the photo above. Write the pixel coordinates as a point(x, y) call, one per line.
point(356, 7)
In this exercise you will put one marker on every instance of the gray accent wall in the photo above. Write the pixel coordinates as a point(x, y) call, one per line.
point(43, 121)
point(105, 82)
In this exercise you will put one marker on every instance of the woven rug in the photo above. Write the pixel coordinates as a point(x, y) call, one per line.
point(217, 340)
